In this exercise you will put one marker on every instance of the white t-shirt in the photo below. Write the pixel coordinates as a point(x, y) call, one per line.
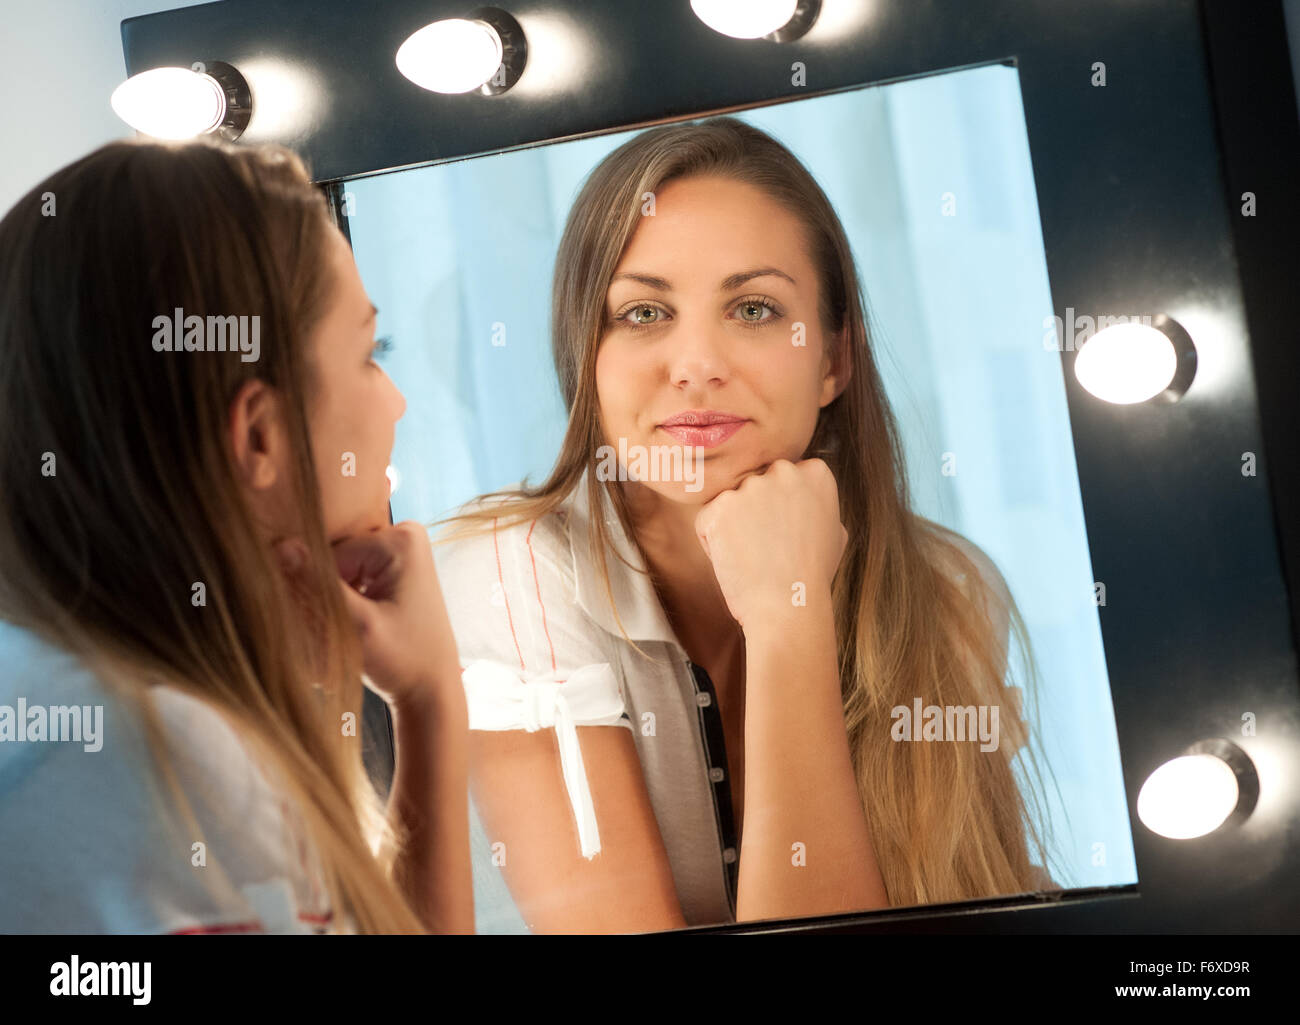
point(86, 847)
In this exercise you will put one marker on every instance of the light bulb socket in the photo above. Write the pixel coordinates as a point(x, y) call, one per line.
point(1185, 355)
point(239, 98)
point(1242, 767)
point(805, 14)
point(514, 48)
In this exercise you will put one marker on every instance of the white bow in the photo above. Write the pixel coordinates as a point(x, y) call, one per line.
point(500, 698)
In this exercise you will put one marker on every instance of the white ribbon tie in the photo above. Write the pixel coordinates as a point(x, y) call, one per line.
point(500, 697)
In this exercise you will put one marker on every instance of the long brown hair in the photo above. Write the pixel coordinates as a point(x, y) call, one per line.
point(119, 487)
point(948, 822)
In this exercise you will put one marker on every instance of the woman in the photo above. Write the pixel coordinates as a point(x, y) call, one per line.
point(193, 536)
point(724, 562)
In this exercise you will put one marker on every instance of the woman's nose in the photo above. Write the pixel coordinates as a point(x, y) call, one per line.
point(397, 402)
point(699, 357)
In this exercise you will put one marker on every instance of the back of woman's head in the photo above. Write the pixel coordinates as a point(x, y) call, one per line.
point(115, 450)
point(125, 534)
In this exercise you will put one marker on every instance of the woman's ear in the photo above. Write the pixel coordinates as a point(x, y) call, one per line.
point(837, 366)
point(258, 442)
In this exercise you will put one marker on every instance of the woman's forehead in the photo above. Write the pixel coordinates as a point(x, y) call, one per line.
point(703, 231)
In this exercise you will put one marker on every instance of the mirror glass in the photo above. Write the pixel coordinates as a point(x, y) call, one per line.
point(932, 182)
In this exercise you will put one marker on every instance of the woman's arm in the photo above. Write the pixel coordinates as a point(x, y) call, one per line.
point(806, 848)
point(513, 602)
point(390, 585)
point(520, 795)
point(429, 803)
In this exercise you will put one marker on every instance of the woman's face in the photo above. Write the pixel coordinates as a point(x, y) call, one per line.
point(354, 408)
point(713, 362)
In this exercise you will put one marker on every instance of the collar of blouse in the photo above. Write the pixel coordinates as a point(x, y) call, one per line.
point(638, 605)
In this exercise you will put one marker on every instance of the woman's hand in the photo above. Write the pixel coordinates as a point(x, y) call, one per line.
point(391, 588)
point(776, 540)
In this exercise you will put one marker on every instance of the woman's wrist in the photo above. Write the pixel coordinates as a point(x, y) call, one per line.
point(433, 700)
point(796, 644)
point(431, 735)
point(801, 610)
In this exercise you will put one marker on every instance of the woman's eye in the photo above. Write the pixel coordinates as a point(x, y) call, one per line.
point(382, 347)
point(755, 311)
point(643, 315)
point(750, 312)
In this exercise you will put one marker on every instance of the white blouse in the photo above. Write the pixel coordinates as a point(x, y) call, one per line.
point(539, 643)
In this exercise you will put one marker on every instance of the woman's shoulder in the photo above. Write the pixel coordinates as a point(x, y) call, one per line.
point(945, 542)
point(209, 748)
point(252, 826)
point(510, 583)
point(81, 784)
point(67, 704)
point(484, 533)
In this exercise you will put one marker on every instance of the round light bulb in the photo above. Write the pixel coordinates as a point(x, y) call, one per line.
point(745, 19)
point(451, 56)
point(1126, 363)
point(1188, 796)
point(170, 103)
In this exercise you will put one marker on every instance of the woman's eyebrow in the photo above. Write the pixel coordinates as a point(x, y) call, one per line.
point(728, 284)
point(736, 280)
point(374, 312)
point(646, 279)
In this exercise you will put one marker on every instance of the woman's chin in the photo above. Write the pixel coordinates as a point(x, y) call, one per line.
point(699, 491)
point(372, 520)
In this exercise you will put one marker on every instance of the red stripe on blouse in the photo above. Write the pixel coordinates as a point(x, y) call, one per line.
point(221, 927)
point(509, 618)
point(246, 927)
point(528, 540)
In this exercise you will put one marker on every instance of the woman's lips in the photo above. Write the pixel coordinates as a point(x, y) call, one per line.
point(704, 436)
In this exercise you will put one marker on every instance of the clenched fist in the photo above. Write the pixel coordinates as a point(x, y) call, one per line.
point(775, 539)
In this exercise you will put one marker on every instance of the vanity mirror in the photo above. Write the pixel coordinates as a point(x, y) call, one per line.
point(1001, 171)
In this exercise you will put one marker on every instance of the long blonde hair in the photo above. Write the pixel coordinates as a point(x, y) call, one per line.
point(948, 821)
point(99, 557)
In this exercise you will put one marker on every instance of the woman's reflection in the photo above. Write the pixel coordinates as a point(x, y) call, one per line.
point(720, 599)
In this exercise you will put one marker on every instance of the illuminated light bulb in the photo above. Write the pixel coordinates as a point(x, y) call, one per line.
point(170, 103)
point(1188, 796)
point(1127, 363)
point(456, 55)
point(745, 19)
